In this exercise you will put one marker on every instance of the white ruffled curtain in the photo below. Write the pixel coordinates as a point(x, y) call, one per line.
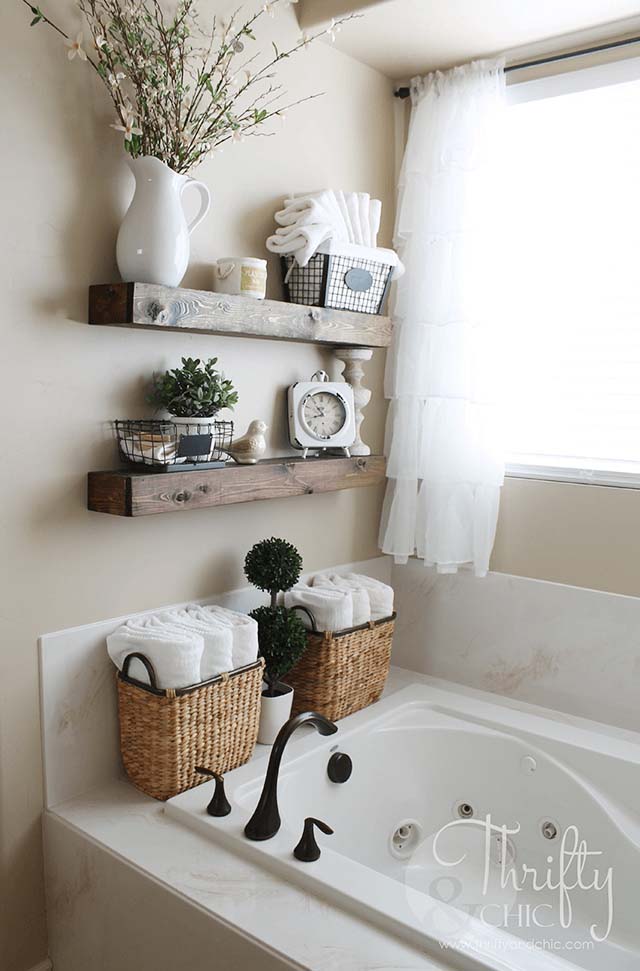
point(445, 464)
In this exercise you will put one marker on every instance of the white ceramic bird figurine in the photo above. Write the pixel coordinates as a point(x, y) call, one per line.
point(250, 448)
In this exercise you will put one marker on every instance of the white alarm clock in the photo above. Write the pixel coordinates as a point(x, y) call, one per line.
point(321, 414)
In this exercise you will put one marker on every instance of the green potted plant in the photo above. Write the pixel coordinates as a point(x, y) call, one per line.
point(274, 565)
point(197, 390)
point(193, 395)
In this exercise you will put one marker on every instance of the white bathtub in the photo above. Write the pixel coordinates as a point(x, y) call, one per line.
point(420, 756)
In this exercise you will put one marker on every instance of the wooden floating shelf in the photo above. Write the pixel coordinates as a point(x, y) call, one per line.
point(133, 493)
point(202, 312)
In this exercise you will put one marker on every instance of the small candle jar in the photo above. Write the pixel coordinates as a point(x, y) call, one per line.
point(244, 276)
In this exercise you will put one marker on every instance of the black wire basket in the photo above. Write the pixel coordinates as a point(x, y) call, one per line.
point(170, 446)
point(339, 282)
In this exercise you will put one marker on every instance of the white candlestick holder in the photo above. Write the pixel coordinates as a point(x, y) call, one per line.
point(353, 357)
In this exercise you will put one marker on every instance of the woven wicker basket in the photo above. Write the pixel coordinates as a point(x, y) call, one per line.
point(342, 671)
point(165, 734)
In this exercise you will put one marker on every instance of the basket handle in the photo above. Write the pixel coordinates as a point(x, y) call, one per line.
point(149, 668)
point(305, 610)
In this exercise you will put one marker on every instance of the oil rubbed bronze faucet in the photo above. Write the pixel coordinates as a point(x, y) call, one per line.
point(265, 821)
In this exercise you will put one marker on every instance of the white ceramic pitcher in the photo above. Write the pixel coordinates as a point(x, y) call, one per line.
point(153, 241)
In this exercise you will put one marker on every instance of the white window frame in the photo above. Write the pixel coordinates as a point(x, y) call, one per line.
point(567, 82)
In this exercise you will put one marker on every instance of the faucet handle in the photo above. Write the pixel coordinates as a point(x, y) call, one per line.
point(307, 849)
point(219, 805)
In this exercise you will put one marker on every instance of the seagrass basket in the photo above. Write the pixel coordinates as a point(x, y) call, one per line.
point(342, 671)
point(165, 734)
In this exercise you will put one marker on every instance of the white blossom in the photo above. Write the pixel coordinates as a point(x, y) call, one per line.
point(333, 29)
point(76, 48)
point(128, 126)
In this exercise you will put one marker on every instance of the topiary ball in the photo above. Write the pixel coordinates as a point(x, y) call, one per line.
point(273, 564)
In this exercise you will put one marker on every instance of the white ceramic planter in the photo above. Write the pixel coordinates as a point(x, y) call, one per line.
point(197, 423)
point(274, 712)
point(195, 426)
point(153, 241)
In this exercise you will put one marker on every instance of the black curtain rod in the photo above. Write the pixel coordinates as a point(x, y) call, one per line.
point(406, 92)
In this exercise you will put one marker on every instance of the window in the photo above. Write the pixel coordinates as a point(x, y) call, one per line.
point(572, 277)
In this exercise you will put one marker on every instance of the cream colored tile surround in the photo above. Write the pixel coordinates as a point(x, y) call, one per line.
point(562, 647)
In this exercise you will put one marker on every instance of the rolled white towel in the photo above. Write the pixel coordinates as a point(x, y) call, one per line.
point(301, 241)
point(321, 208)
point(353, 208)
point(217, 656)
point(336, 232)
point(300, 211)
point(380, 594)
point(375, 215)
point(330, 202)
point(244, 630)
point(364, 200)
point(175, 654)
point(358, 594)
point(341, 199)
point(331, 608)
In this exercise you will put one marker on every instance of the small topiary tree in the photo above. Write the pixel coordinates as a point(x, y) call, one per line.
point(273, 565)
point(283, 640)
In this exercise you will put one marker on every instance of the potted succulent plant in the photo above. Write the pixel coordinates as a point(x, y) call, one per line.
point(274, 565)
point(193, 395)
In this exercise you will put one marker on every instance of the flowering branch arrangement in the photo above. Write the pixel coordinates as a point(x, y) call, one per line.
point(180, 89)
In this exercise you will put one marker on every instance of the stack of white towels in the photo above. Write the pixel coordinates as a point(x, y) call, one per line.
point(310, 219)
point(341, 601)
point(186, 645)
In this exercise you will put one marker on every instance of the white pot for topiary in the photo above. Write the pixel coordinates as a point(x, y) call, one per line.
point(275, 710)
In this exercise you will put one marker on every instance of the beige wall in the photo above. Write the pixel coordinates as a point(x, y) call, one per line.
point(588, 536)
point(64, 188)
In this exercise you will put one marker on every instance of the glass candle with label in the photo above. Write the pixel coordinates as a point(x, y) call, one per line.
point(244, 276)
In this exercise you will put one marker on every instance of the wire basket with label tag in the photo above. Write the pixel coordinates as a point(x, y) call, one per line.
point(346, 277)
point(174, 445)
